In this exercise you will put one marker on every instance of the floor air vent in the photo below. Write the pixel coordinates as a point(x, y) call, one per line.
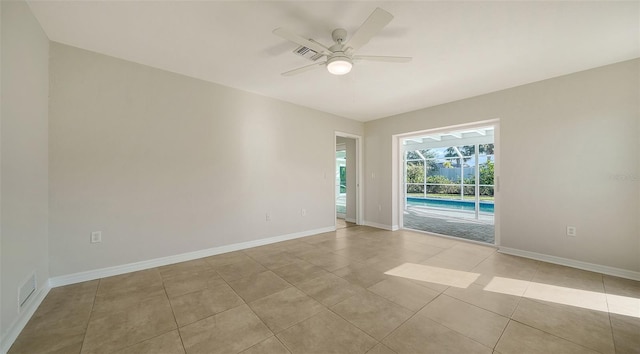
point(26, 291)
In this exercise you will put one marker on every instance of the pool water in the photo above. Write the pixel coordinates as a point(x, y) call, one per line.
point(486, 207)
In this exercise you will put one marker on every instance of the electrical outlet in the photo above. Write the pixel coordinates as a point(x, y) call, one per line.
point(267, 217)
point(303, 212)
point(96, 237)
point(571, 231)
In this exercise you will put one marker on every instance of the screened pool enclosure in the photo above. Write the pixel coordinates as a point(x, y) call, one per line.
point(449, 183)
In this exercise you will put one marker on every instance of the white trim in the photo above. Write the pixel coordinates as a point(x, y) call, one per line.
point(152, 263)
point(23, 318)
point(379, 226)
point(350, 220)
point(617, 272)
point(397, 202)
point(359, 174)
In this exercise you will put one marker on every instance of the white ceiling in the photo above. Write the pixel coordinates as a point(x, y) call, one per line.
point(460, 49)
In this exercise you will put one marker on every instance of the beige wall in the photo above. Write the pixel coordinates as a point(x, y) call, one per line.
point(25, 87)
point(569, 156)
point(164, 164)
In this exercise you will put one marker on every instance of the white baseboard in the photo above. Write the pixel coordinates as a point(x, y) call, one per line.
point(189, 256)
point(379, 226)
point(23, 318)
point(350, 220)
point(617, 272)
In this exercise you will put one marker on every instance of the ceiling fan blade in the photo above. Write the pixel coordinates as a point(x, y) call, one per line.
point(382, 58)
point(288, 35)
point(303, 69)
point(376, 21)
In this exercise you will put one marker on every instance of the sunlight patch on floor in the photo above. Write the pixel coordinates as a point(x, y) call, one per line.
point(592, 300)
point(444, 276)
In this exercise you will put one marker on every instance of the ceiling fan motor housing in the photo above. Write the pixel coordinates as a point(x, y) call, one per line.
point(339, 35)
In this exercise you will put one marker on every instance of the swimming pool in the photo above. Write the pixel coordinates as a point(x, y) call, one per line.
point(486, 207)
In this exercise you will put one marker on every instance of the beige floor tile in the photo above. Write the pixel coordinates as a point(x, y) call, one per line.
point(626, 333)
point(111, 331)
point(422, 335)
point(299, 248)
point(361, 275)
point(329, 289)
point(336, 243)
point(189, 282)
point(404, 293)
point(132, 312)
point(519, 338)
point(224, 259)
point(456, 258)
point(413, 255)
point(358, 254)
point(621, 287)
point(115, 301)
point(127, 282)
point(228, 332)
point(61, 340)
point(315, 239)
point(270, 345)
point(505, 266)
point(471, 321)
point(65, 308)
point(383, 264)
point(373, 314)
point(60, 323)
point(182, 268)
point(436, 278)
point(240, 269)
point(285, 308)
point(299, 271)
point(381, 349)
point(326, 333)
point(69, 295)
point(272, 259)
point(197, 305)
point(553, 274)
point(590, 328)
point(475, 294)
point(326, 260)
point(429, 240)
point(258, 285)
point(168, 343)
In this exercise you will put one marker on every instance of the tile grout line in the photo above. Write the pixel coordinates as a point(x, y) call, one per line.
point(174, 315)
point(556, 336)
point(606, 299)
point(412, 316)
point(539, 329)
point(93, 304)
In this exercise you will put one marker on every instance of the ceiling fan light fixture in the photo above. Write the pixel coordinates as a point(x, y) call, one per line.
point(339, 65)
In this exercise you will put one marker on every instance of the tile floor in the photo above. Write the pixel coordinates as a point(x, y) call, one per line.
point(355, 290)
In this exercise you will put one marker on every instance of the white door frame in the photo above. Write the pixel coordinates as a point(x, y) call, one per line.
point(359, 194)
point(398, 166)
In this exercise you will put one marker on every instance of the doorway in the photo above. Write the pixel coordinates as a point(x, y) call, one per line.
point(448, 182)
point(347, 196)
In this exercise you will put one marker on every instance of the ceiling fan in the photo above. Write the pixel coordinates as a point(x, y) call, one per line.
point(340, 56)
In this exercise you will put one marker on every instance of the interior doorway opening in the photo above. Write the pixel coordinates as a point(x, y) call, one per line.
point(347, 180)
point(448, 182)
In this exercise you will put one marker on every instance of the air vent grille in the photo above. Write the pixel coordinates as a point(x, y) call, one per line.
point(308, 53)
point(27, 289)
